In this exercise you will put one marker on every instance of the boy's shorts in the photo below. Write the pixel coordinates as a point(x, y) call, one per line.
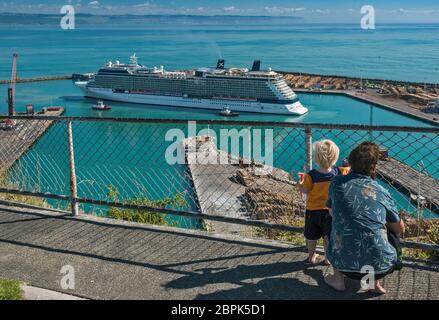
point(318, 224)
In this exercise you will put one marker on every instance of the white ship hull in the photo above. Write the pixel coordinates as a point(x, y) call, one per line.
point(295, 108)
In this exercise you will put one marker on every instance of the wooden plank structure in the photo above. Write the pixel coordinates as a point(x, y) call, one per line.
point(18, 140)
point(217, 192)
point(406, 179)
point(221, 191)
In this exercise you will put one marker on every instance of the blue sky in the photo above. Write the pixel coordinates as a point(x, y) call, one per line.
point(317, 10)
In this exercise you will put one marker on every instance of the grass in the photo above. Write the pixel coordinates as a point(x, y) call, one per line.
point(293, 237)
point(426, 231)
point(38, 202)
point(10, 290)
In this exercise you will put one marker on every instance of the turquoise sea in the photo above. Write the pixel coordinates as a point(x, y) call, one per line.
point(391, 51)
point(403, 52)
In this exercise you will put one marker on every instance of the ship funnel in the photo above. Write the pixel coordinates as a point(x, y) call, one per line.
point(221, 63)
point(256, 65)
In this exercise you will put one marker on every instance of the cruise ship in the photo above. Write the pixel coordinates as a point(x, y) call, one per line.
point(236, 89)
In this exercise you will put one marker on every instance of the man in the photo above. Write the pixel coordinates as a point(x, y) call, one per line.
point(365, 219)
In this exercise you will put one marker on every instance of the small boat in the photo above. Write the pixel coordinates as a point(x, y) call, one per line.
point(101, 106)
point(226, 112)
point(9, 124)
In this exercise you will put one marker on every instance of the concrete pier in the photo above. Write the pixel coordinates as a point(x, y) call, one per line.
point(38, 79)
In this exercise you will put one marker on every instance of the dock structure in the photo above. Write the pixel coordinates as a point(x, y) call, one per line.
point(15, 141)
point(237, 187)
point(213, 181)
point(406, 179)
point(38, 79)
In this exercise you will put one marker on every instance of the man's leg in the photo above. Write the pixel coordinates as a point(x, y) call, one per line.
point(336, 280)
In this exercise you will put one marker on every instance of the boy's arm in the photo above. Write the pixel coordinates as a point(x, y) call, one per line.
point(305, 186)
point(302, 188)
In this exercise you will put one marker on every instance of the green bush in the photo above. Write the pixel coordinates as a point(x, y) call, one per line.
point(144, 216)
point(433, 234)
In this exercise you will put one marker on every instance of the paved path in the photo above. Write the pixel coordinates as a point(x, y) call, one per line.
point(33, 293)
point(114, 260)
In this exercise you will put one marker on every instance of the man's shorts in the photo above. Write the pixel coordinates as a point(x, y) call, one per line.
point(318, 224)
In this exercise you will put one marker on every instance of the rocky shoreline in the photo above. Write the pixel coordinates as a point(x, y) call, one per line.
point(38, 79)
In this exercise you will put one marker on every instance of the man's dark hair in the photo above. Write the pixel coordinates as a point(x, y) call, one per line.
point(364, 158)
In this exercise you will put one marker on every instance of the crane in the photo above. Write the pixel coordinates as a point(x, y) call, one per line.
point(11, 89)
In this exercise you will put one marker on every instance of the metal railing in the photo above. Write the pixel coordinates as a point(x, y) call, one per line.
point(150, 166)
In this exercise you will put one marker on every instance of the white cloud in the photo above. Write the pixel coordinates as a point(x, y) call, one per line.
point(228, 9)
point(323, 11)
point(403, 11)
point(94, 4)
point(143, 5)
point(282, 10)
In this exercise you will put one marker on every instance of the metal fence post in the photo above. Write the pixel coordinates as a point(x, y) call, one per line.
point(73, 185)
point(308, 148)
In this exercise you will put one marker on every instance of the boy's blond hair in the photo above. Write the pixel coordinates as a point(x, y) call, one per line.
point(325, 153)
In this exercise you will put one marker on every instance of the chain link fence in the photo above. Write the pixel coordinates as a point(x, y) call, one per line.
point(222, 176)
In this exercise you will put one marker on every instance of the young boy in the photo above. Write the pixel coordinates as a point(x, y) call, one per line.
point(315, 185)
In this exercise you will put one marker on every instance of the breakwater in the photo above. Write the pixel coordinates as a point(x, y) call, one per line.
point(38, 79)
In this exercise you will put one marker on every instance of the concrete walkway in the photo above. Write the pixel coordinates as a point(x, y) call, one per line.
point(114, 260)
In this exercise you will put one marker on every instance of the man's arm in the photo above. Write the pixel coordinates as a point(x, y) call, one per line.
point(393, 219)
point(397, 227)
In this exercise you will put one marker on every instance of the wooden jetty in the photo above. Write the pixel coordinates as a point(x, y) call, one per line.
point(15, 142)
point(217, 192)
point(220, 188)
point(406, 179)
